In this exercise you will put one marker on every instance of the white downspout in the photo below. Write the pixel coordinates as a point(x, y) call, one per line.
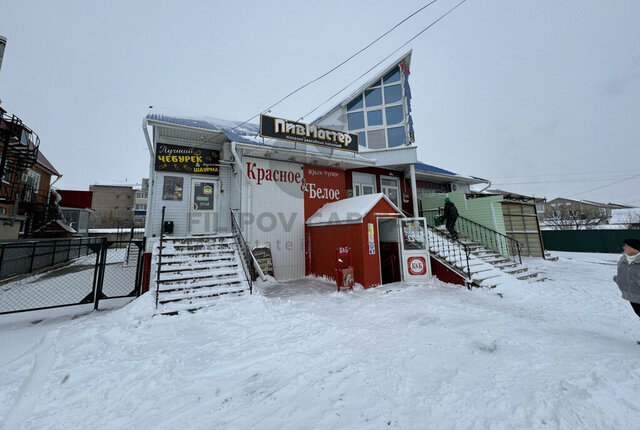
point(152, 180)
point(238, 163)
point(414, 189)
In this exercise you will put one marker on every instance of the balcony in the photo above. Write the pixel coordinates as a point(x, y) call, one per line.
point(19, 145)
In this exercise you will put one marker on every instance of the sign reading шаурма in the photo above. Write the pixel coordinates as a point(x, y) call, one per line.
point(185, 159)
point(293, 131)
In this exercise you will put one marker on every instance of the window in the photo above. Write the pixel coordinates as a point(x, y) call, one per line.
point(373, 97)
point(141, 194)
point(375, 139)
point(33, 179)
point(374, 117)
point(392, 76)
point(395, 114)
point(378, 114)
point(392, 94)
point(363, 183)
point(397, 136)
point(172, 188)
point(140, 206)
point(355, 103)
point(362, 139)
point(355, 120)
point(391, 188)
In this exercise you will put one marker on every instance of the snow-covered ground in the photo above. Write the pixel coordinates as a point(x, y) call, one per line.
point(298, 355)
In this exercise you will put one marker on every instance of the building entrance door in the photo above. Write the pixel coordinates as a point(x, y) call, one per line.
point(203, 218)
point(416, 264)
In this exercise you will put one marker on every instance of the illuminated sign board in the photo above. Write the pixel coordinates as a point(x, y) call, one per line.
point(293, 131)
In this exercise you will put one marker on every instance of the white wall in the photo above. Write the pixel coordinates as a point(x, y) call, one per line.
point(275, 216)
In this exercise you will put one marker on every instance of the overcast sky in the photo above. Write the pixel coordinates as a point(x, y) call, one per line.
point(542, 97)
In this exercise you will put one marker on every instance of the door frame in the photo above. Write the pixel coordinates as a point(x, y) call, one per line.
point(399, 241)
point(216, 203)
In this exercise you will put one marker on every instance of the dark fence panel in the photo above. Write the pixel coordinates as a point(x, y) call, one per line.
point(605, 241)
point(96, 270)
point(26, 256)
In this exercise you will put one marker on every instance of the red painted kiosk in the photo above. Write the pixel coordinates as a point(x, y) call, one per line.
point(370, 225)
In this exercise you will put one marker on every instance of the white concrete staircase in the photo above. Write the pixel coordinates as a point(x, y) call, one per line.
point(487, 267)
point(195, 271)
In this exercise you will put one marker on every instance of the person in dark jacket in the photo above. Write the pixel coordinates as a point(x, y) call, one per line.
point(628, 276)
point(450, 216)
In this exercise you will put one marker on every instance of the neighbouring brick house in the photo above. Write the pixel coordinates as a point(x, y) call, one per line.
point(28, 206)
point(113, 205)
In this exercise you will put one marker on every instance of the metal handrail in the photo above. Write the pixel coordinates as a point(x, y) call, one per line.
point(247, 255)
point(494, 240)
point(454, 253)
point(159, 257)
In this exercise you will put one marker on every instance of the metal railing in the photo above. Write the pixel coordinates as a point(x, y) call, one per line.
point(491, 239)
point(245, 253)
point(159, 257)
point(454, 253)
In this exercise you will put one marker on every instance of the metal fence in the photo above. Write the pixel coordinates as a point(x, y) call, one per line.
point(28, 256)
point(99, 270)
point(605, 241)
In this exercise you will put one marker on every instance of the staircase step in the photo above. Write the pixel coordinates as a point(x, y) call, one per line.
point(199, 245)
point(213, 264)
point(191, 295)
point(516, 270)
point(229, 251)
point(212, 282)
point(496, 260)
point(196, 261)
point(528, 275)
point(174, 308)
point(220, 272)
point(196, 239)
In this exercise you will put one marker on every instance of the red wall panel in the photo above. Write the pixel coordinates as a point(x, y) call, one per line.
point(76, 199)
point(323, 241)
point(445, 274)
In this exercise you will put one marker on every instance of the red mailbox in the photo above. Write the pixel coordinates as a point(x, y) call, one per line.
point(344, 270)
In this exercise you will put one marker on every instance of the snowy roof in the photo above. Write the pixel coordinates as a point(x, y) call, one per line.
point(248, 133)
point(234, 130)
point(348, 211)
point(429, 169)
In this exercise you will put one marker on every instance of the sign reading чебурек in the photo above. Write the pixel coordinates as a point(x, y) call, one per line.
point(293, 131)
point(186, 159)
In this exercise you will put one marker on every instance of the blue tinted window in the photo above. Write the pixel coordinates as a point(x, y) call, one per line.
point(355, 103)
point(375, 84)
point(362, 139)
point(395, 115)
point(374, 117)
point(373, 97)
point(396, 136)
point(392, 94)
point(355, 120)
point(392, 76)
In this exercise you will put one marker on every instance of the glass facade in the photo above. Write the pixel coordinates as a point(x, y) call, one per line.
point(378, 113)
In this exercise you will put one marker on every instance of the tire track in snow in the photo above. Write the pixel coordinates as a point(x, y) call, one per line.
point(30, 390)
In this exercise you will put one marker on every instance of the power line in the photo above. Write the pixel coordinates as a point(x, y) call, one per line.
point(339, 65)
point(565, 181)
point(604, 186)
point(387, 57)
